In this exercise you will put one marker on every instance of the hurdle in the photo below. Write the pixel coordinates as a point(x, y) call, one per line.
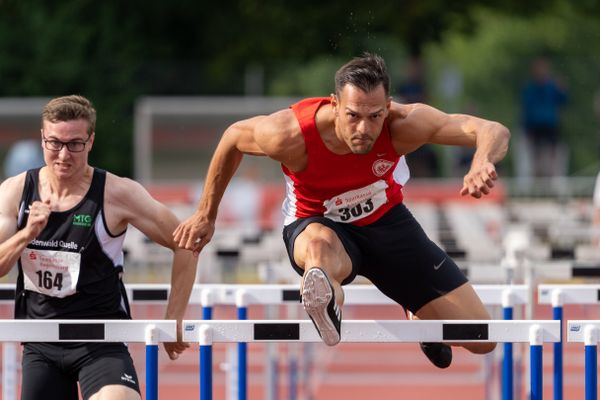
point(150, 332)
point(366, 331)
point(559, 295)
point(588, 333)
point(243, 296)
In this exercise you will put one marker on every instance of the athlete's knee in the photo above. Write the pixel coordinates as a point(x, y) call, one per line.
point(322, 233)
point(480, 348)
point(319, 246)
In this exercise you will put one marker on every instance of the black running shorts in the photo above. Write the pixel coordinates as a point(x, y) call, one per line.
point(51, 370)
point(394, 253)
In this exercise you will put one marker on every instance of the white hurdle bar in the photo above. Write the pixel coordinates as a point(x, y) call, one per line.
point(587, 332)
point(267, 294)
point(226, 294)
point(150, 332)
point(382, 331)
point(242, 296)
point(88, 330)
point(558, 295)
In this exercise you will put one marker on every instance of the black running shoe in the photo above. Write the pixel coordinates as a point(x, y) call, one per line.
point(318, 299)
point(440, 354)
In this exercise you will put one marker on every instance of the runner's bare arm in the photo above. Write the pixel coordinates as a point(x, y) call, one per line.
point(128, 201)
point(424, 124)
point(260, 136)
point(13, 242)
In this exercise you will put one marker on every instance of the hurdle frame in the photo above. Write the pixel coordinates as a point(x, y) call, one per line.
point(242, 296)
point(588, 333)
point(535, 332)
point(150, 332)
point(558, 295)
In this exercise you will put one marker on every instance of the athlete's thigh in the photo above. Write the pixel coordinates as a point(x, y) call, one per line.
point(107, 364)
point(43, 380)
point(460, 303)
point(406, 265)
point(115, 392)
point(336, 240)
point(317, 231)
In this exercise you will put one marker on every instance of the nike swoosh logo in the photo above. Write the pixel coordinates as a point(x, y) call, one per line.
point(437, 266)
point(380, 154)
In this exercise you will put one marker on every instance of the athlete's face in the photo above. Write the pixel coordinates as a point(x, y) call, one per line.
point(65, 163)
point(359, 116)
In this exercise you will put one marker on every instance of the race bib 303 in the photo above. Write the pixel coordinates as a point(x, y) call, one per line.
point(356, 204)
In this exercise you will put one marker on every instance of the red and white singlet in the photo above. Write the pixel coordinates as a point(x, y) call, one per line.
point(349, 188)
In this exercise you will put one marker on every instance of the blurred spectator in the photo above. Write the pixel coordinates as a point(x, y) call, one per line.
point(541, 100)
point(23, 155)
point(423, 162)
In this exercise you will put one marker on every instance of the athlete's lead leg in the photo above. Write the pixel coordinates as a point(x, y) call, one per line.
point(326, 264)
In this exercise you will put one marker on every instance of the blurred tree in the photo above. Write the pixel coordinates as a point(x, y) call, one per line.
point(115, 51)
point(494, 62)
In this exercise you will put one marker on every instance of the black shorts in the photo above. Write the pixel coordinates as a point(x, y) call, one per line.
point(52, 370)
point(394, 253)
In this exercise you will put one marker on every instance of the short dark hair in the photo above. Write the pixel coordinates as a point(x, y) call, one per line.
point(365, 72)
point(69, 108)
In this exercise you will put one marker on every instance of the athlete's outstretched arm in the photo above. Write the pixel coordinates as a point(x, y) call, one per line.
point(277, 136)
point(239, 139)
point(133, 204)
point(490, 139)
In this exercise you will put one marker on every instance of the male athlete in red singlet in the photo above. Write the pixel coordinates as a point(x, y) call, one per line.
point(343, 164)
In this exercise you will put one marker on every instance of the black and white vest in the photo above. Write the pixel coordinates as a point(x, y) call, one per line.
point(73, 268)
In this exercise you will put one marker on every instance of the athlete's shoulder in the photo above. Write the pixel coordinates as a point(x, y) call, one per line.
point(400, 111)
point(279, 121)
point(13, 186)
point(280, 137)
point(125, 200)
point(10, 195)
point(121, 189)
point(277, 132)
point(403, 117)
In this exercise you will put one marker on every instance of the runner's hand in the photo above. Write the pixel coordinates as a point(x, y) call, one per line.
point(39, 212)
point(194, 233)
point(479, 180)
point(174, 349)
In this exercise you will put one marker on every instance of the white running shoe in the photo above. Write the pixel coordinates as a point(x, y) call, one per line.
point(318, 299)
